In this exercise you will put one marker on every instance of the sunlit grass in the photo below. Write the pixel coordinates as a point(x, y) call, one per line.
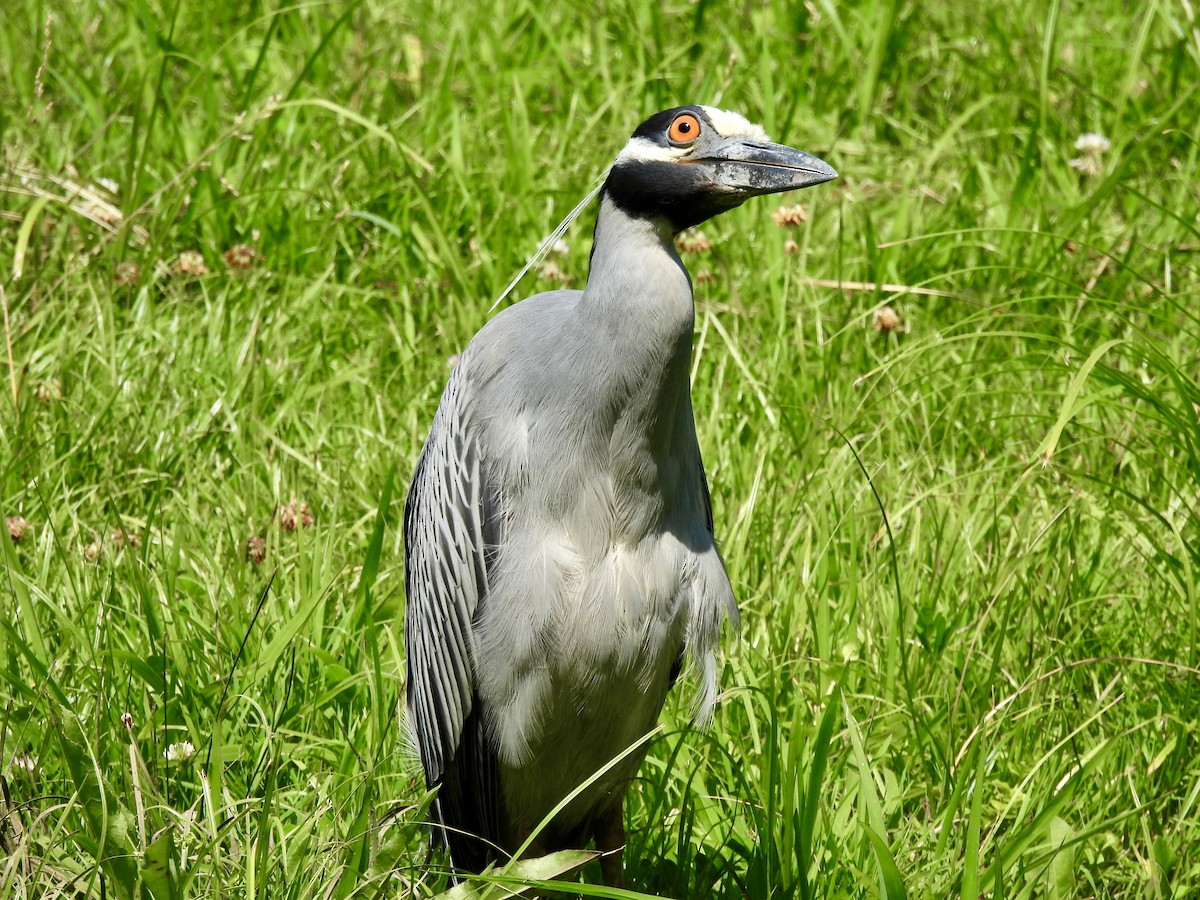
point(965, 544)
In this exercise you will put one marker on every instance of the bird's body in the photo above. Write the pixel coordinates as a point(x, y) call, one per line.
point(560, 552)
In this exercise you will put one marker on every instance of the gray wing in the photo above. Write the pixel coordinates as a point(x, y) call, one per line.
point(450, 533)
point(677, 666)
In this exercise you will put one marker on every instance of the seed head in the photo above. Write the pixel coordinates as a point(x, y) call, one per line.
point(241, 256)
point(122, 538)
point(790, 215)
point(550, 271)
point(256, 550)
point(885, 320)
point(692, 241)
point(190, 265)
point(790, 247)
point(295, 515)
point(102, 213)
point(18, 528)
point(126, 272)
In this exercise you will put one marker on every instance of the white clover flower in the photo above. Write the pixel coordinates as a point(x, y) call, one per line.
point(181, 752)
point(1093, 146)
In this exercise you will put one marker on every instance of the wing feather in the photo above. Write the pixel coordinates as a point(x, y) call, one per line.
point(450, 534)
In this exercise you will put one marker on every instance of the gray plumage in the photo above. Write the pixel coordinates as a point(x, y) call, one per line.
point(559, 544)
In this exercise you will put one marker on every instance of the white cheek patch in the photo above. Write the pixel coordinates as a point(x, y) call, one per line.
point(730, 124)
point(641, 149)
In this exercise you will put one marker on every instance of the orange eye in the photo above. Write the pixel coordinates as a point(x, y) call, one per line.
point(684, 130)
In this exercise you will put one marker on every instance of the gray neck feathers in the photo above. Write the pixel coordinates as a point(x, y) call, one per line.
point(637, 280)
point(639, 301)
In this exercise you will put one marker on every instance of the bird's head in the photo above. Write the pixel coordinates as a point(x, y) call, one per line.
point(691, 163)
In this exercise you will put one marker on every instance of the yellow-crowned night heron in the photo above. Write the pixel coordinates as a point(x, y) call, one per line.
point(559, 553)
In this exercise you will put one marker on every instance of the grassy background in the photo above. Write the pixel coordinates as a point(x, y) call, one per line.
point(994, 690)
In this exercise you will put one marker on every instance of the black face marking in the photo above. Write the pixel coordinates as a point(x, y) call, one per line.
point(682, 193)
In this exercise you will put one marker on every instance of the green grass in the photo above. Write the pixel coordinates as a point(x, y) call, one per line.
point(966, 551)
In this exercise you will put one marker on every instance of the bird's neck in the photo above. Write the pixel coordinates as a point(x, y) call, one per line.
point(637, 282)
point(639, 300)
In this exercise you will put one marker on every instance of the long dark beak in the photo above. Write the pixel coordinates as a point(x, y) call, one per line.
point(753, 167)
